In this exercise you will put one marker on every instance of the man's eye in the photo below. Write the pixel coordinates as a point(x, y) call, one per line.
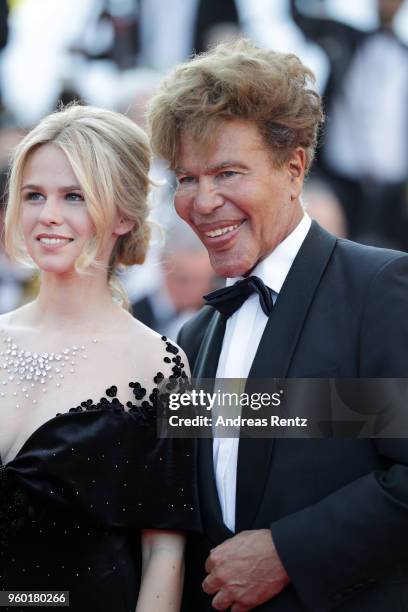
point(227, 174)
point(185, 180)
point(74, 197)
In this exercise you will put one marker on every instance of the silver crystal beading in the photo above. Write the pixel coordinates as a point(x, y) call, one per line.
point(32, 369)
point(30, 366)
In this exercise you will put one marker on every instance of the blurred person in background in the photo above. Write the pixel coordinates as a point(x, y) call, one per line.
point(186, 276)
point(16, 284)
point(364, 152)
point(3, 23)
point(92, 47)
point(323, 206)
point(37, 64)
point(3, 31)
point(147, 33)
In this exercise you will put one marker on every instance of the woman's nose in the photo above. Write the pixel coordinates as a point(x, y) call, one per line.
point(51, 212)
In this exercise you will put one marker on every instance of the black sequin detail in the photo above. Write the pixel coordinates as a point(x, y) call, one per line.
point(93, 406)
point(146, 410)
point(170, 348)
point(138, 391)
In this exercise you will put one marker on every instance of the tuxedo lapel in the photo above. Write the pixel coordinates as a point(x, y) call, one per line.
point(273, 358)
point(206, 367)
point(284, 327)
point(207, 359)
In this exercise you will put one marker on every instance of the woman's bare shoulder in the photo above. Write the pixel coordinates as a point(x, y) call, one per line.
point(154, 346)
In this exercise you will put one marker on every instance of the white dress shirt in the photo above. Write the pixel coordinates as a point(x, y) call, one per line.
point(243, 333)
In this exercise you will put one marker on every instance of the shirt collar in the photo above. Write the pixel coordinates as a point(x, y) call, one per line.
point(274, 269)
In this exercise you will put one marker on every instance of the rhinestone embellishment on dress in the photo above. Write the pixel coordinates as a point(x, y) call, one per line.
point(29, 369)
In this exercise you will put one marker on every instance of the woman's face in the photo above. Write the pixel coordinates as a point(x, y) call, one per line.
point(55, 219)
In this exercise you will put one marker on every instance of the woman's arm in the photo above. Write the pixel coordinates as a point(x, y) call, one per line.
point(163, 571)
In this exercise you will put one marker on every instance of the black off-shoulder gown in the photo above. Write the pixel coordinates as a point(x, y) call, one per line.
point(75, 498)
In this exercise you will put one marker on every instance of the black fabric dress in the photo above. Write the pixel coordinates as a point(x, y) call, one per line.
point(75, 498)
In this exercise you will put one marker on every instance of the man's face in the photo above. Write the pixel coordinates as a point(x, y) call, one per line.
point(234, 197)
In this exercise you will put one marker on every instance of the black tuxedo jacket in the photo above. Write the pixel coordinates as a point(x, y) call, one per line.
point(337, 508)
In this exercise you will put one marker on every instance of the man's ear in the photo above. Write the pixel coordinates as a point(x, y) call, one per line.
point(123, 226)
point(297, 169)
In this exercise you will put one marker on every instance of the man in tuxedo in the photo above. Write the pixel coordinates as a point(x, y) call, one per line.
point(290, 525)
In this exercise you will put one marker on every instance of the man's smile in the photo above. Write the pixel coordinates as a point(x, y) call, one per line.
point(220, 231)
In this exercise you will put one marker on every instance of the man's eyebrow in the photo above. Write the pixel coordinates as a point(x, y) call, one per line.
point(227, 164)
point(216, 167)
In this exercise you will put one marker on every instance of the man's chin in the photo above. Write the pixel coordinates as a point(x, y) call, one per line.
point(230, 267)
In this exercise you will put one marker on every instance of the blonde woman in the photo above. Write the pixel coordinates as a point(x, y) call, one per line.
point(92, 502)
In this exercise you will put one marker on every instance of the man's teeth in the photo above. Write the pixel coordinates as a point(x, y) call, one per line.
point(54, 240)
point(220, 232)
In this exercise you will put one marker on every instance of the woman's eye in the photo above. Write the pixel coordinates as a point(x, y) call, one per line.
point(34, 196)
point(74, 197)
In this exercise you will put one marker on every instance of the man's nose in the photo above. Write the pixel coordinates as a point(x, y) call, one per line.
point(207, 196)
point(51, 212)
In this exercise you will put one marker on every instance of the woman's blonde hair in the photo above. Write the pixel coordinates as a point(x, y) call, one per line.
point(238, 81)
point(110, 156)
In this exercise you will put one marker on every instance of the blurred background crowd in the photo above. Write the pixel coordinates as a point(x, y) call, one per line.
point(113, 53)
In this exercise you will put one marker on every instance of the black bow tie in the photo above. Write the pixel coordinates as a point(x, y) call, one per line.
point(229, 299)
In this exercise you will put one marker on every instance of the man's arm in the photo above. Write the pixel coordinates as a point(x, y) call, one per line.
point(338, 547)
point(384, 327)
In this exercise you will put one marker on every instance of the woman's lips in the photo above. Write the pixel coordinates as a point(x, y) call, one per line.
point(53, 242)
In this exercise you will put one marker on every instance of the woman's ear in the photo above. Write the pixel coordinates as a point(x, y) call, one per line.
point(123, 226)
